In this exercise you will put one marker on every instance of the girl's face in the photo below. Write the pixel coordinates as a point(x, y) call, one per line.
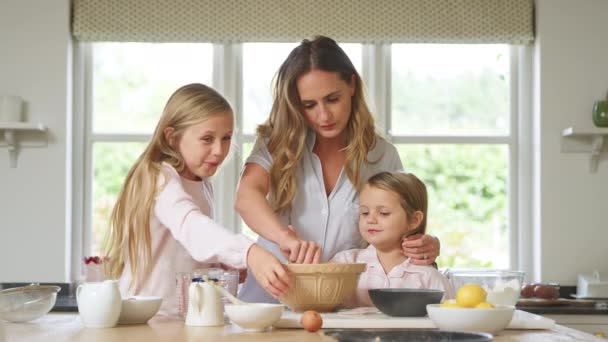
point(326, 101)
point(382, 220)
point(205, 145)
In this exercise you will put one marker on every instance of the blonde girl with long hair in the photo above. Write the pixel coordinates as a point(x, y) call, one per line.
point(298, 189)
point(392, 206)
point(162, 221)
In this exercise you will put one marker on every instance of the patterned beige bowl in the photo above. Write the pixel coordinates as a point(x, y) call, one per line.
point(321, 287)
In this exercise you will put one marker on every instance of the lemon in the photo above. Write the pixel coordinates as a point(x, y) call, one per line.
point(469, 295)
point(484, 305)
point(450, 304)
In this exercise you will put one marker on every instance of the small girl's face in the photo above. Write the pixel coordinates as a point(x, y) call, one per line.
point(205, 145)
point(382, 220)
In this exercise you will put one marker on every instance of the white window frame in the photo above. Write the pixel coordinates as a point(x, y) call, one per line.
point(376, 73)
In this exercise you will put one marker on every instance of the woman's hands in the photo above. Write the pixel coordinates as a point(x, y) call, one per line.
point(268, 271)
point(298, 251)
point(422, 249)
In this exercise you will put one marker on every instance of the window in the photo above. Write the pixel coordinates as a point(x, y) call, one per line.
point(446, 107)
point(130, 85)
point(451, 122)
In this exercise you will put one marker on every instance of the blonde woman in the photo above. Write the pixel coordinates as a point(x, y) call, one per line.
point(298, 189)
point(162, 222)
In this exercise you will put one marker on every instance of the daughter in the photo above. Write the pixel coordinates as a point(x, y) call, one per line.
point(392, 206)
point(162, 221)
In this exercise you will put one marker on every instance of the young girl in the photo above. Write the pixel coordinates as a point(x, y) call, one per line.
point(392, 206)
point(162, 221)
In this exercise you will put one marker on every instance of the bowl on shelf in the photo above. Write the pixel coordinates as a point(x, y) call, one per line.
point(404, 302)
point(22, 304)
point(491, 320)
point(320, 287)
point(254, 316)
point(502, 286)
point(139, 309)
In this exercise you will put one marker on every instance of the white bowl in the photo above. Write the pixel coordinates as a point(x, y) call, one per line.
point(254, 316)
point(471, 319)
point(139, 309)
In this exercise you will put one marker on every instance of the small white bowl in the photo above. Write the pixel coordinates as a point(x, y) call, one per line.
point(470, 319)
point(254, 316)
point(139, 309)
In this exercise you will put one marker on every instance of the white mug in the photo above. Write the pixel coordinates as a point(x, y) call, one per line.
point(10, 108)
point(99, 303)
point(205, 307)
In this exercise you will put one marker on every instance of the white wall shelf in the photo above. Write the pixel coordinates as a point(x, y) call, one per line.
point(588, 140)
point(21, 134)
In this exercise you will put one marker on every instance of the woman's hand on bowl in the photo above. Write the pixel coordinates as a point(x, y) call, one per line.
point(268, 271)
point(298, 251)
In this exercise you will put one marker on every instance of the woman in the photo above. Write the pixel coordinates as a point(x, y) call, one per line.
point(298, 189)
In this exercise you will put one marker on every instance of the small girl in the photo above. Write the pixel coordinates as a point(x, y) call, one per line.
point(392, 206)
point(162, 221)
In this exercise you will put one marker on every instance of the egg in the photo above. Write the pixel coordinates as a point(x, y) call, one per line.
point(311, 320)
point(527, 291)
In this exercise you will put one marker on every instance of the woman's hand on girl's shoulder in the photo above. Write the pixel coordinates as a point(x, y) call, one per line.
point(298, 251)
point(422, 249)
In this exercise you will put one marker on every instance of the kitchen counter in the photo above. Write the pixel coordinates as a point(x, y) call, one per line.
point(68, 327)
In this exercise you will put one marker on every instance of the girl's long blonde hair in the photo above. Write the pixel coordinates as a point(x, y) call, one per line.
point(286, 126)
point(128, 237)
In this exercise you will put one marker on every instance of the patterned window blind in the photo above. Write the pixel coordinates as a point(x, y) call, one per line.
point(361, 21)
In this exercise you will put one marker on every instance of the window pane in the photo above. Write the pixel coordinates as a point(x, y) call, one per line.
point(133, 81)
point(450, 89)
point(247, 147)
point(467, 188)
point(111, 163)
point(260, 63)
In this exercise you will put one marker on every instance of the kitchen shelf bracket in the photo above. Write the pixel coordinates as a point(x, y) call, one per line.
point(21, 134)
point(590, 140)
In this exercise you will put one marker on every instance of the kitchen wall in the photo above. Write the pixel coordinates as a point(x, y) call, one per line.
point(571, 71)
point(35, 58)
point(572, 60)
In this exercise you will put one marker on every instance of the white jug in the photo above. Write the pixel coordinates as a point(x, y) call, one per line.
point(205, 308)
point(99, 303)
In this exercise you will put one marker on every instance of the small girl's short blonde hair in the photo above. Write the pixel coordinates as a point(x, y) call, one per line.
point(411, 190)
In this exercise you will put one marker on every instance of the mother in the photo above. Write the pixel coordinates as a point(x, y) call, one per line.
point(298, 189)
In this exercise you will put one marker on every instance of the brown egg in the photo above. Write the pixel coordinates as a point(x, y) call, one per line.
point(527, 291)
point(311, 320)
point(546, 292)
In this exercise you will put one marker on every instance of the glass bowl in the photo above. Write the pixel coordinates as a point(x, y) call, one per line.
point(503, 286)
point(22, 304)
point(228, 279)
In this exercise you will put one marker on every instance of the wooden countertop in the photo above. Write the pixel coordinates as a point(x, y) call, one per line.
point(68, 327)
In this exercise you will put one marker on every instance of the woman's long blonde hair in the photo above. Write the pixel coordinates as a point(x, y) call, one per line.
point(286, 126)
point(128, 237)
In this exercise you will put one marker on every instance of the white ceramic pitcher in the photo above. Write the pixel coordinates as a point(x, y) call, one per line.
point(205, 308)
point(99, 303)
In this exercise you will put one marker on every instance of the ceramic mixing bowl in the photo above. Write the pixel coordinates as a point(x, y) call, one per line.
point(321, 287)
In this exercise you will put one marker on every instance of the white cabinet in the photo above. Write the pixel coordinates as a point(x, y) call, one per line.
point(593, 324)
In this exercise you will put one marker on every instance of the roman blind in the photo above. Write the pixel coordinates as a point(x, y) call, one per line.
point(361, 21)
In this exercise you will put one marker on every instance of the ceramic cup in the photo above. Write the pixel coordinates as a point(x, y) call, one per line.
point(99, 304)
point(600, 113)
point(10, 108)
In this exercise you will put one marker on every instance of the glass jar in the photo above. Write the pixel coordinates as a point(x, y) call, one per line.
point(228, 279)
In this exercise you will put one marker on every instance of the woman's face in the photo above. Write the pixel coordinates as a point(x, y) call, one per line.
point(326, 102)
point(204, 146)
point(382, 220)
